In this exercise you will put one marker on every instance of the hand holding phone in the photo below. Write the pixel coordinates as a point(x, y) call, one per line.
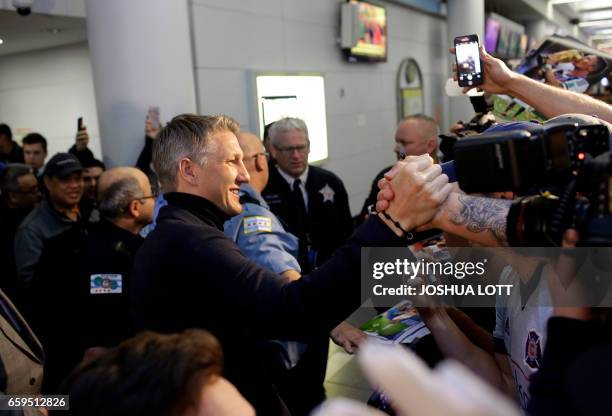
point(469, 66)
point(152, 122)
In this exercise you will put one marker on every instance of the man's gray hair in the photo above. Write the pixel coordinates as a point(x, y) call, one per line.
point(115, 199)
point(186, 135)
point(9, 179)
point(286, 124)
point(433, 130)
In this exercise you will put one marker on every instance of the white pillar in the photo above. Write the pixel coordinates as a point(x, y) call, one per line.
point(464, 17)
point(141, 55)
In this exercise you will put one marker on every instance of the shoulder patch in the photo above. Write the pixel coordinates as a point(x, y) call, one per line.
point(105, 283)
point(257, 224)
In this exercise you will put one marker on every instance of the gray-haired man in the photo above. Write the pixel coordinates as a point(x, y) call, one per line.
point(312, 201)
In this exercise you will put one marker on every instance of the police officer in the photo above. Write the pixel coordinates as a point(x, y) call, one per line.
point(312, 201)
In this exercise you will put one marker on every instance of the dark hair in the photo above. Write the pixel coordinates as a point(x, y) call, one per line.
point(34, 138)
point(600, 71)
point(9, 178)
point(92, 162)
point(151, 374)
point(5, 130)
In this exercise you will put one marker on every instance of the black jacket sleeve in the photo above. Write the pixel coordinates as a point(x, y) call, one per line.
point(146, 155)
point(82, 155)
point(269, 307)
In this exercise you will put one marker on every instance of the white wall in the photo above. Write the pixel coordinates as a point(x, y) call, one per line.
point(45, 91)
point(234, 36)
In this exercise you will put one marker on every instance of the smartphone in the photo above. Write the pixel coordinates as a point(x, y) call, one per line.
point(469, 67)
point(154, 116)
point(80, 124)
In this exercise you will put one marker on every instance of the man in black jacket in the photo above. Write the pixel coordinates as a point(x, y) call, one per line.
point(189, 274)
point(312, 201)
point(85, 273)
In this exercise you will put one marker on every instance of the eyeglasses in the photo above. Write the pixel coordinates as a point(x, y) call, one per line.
point(266, 154)
point(288, 150)
point(153, 196)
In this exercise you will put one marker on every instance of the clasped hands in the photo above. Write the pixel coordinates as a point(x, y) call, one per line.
point(412, 193)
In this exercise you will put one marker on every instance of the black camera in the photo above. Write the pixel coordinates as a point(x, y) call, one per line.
point(561, 169)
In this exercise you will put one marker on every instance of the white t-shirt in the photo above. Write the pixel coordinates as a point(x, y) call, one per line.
point(521, 330)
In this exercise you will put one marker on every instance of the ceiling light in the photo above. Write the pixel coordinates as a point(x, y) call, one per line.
point(54, 30)
point(564, 1)
point(595, 23)
point(1, 41)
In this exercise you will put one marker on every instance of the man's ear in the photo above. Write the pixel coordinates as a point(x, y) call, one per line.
point(431, 145)
point(133, 208)
point(187, 171)
point(259, 161)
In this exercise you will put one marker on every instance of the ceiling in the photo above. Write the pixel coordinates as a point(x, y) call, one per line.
point(594, 18)
point(38, 31)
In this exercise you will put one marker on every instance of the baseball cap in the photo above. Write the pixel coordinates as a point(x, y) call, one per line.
point(62, 165)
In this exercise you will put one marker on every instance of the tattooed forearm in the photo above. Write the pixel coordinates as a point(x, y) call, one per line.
point(483, 214)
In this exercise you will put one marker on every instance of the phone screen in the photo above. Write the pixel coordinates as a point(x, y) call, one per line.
point(469, 72)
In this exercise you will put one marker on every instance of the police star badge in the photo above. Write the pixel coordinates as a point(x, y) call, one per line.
point(328, 193)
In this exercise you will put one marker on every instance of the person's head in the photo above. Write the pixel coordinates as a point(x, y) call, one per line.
point(255, 159)
point(125, 198)
point(6, 137)
point(290, 145)
point(156, 375)
point(200, 155)
point(35, 150)
point(418, 134)
point(19, 186)
point(590, 64)
point(92, 169)
point(63, 178)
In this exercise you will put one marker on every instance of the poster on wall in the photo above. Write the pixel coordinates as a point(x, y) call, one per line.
point(562, 63)
point(409, 89)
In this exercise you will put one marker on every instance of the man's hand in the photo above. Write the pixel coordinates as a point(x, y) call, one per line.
point(416, 188)
point(348, 337)
point(497, 76)
point(82, 139)
point(151, 127)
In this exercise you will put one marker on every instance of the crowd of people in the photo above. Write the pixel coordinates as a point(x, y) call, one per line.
point(209, 278)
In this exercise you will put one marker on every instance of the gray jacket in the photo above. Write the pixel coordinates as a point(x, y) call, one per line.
point(41, 224)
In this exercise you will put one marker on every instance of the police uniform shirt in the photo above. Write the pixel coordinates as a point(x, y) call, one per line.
point(328, 222)
point(520, 328)
point(260, 235)
point(263, 239)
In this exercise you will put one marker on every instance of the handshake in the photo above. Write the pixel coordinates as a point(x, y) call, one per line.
point(413, 195)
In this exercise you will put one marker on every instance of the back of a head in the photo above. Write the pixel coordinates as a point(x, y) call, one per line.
point(5, 131)
point(9, 178)
point(118, 187)
point(149, 375)
point(430, 128)
point(186, 136)
point(286, 124)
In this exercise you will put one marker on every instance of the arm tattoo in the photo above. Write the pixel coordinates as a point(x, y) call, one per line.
point(483, 214)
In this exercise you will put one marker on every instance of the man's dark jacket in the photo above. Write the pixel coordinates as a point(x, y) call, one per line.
point(189, 274)
point(328, 223)
point(69, 317)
